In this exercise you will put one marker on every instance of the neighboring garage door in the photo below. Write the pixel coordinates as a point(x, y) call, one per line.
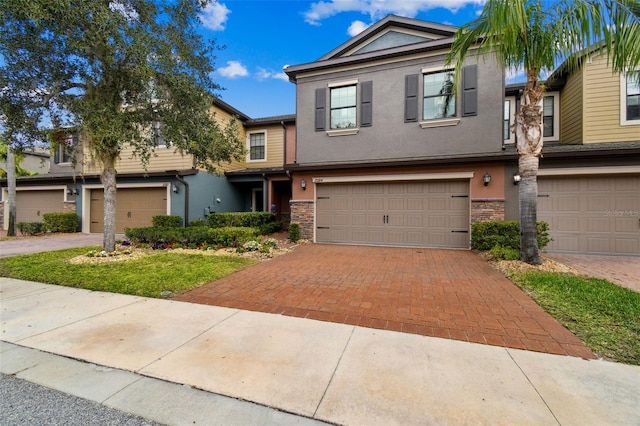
point(135, 207)
point(591, 215)
point(31, 205)
point(418, 214)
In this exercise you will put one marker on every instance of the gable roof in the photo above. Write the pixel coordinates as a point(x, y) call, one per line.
point(392, 36)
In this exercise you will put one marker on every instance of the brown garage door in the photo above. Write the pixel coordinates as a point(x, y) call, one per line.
point(418, 214)
point(135, 207)
point(31, 205)
point(591, 215)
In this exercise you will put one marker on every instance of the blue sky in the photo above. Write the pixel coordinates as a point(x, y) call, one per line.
point(263, 36)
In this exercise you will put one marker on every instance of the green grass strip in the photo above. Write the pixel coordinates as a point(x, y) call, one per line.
point(147, 276)
point(604, 315)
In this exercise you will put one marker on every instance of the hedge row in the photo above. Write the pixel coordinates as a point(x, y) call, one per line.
point(160, 237)
point(504, 234)
point(52, 222)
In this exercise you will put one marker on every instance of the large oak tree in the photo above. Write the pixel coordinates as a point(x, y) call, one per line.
point(114, 69)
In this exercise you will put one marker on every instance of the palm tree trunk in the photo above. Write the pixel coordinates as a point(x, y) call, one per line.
point(528, 191)
point(529, 133)
point(109, 183)
point(11, 188)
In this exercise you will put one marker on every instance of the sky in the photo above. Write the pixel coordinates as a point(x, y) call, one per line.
point(261, 37)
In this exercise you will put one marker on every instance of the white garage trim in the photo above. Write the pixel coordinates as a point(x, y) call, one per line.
point(582, 171)
point(396, 178)
point(5, 197)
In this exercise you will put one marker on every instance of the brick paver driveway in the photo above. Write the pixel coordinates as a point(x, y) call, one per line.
point(441, 293)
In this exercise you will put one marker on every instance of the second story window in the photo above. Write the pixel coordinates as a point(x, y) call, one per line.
point(158, 134)
point(506, 120)
point(633, 96)
point(548, 114)
point(439, 99)
point(343, 107)
point(257, 146)
point(63, 153)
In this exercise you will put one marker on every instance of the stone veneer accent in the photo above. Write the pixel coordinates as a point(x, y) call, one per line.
point(487, 210)
point(69, 207)
point(302, 213)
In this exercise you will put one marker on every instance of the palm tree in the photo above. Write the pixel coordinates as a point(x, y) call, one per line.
point(538, 35)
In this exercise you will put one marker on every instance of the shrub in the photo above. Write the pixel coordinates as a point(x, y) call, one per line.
point(486, 235)
point(252, 245)
point(240, 219)
point(270, 228)
point(158, 237)
point(233, 236)
point(198, 223)
point(30, 228)
point(167, 221)
point(294, 232)
point(505, 253)
point(61, 222)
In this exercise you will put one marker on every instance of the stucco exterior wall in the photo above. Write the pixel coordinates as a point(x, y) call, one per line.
point(390, 137)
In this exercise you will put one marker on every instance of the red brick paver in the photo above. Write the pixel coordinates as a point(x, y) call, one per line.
point(442, 293)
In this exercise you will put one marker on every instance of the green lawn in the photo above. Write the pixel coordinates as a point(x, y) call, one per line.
point(604, 315)
point(147, 276)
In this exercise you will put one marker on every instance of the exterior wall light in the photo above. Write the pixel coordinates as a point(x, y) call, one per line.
point(72, 191)
point(486, 179)
point(174, 188)
point(303, 184)
point(516, 178)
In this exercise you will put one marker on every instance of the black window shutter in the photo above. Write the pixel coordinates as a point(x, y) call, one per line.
point(321, 103)
point(470, 90)
point(411, 97)
point(366, 103)
point(56, 153)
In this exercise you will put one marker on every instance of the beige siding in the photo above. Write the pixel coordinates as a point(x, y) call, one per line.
point(571, 110)
point(275, 149)
point(602, 105)
point(163, 158)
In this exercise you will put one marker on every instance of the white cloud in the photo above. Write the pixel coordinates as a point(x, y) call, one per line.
point(356, 28)
point(515, 75)
point(264, 74)
point(233, 69)
point(215, 15)
point(377, 9)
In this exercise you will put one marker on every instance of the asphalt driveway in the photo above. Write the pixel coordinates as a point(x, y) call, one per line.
point(451, 294)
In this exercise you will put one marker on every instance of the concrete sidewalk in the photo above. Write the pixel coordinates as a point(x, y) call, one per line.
point(336, 373)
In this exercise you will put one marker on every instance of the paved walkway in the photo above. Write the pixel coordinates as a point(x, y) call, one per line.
point(24, 245)
point(137, 353)
point(440, 293)
point(624, 271)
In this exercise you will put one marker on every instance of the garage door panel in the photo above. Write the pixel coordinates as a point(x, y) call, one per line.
point(135, 207)
point(32, 205)
point(601, 223)
point(397, 213)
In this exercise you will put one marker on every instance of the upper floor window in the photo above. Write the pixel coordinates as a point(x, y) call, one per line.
point(506, 120)
point(548, 114)
point(64, 150)
point(158, 134)
point(439, 99)
point(343, 107)
point(257, 146)
point(632, 98)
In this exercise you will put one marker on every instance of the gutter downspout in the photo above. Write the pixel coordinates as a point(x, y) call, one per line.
point(186, 198)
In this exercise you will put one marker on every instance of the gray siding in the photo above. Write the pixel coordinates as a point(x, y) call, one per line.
point(390, 137)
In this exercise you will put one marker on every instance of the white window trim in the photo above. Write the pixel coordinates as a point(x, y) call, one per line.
point(343, 132)
point(248, 143)
point(343, 83)
point(623, 103)
point(512, 119)
point(439, 122)
point(556, 117)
